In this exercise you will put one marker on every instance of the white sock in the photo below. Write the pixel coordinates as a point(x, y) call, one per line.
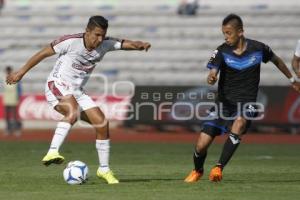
point(61, 131)
point(102, 147)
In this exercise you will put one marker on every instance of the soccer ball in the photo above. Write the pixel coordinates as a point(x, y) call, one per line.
point(76, 173)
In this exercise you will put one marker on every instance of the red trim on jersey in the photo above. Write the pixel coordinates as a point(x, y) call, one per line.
point(54, 89)
point(66, 37)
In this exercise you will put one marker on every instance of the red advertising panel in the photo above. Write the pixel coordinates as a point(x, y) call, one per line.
point(35, 107)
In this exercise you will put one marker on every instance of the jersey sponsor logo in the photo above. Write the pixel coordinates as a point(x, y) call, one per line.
point(89, 58)
point(243, 62)
point(85, 68)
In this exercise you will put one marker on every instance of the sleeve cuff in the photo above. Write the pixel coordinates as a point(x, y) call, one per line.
point(122, 44)
point(51, 44)
point(209, 66)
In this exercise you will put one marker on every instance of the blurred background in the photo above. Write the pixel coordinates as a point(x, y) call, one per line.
point(183, 35)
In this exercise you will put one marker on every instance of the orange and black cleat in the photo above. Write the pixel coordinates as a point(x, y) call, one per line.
point(194, 176)
point(216, 174)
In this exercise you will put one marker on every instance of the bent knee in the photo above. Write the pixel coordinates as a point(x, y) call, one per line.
point(203, 142)
point(239, 125)
point(240, 122)
point(71, 117)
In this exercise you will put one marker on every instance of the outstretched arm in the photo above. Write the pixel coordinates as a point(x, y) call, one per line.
point(14, 77)
point(283, 68)
point(296, 65)
point(135, 45)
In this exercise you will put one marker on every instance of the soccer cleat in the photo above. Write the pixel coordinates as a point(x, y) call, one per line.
point(108, 176)
point(215, 174)
point(53, 157)
point(194, 176)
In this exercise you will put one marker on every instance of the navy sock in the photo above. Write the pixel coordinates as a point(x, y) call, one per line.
point(229, 148)
point(199, 158)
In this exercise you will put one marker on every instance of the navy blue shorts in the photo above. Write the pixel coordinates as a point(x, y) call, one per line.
point(223, 115)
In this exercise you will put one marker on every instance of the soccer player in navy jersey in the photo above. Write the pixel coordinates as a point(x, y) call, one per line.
point(237, 62)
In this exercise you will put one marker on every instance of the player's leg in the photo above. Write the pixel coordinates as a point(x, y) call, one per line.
point(211, 129)
point(67, 106)
point(238, 128)
point(230, 146)
point(203, 142)
point(96, 118)
point(16, 122)
point(199, 156)
point(233, 140)
point(7, 114)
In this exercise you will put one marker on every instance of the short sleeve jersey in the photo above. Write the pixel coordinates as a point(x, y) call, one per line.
point(239, 74)
point(75, 63)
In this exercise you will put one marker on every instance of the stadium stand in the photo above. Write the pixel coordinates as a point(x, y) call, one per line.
point(181, 46)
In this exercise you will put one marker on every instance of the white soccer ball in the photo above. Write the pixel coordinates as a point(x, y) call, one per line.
point(76, 172)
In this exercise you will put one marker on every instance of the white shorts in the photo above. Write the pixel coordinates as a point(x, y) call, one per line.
point(55, 89)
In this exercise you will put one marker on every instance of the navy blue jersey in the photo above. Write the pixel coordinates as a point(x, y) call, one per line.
point(239, 74)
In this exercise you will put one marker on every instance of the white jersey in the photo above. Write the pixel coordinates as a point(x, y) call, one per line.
point(75, 63)
point(297, 51)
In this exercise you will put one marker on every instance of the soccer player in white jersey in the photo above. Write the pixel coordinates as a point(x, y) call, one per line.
point(78, 55)
point(296, 60)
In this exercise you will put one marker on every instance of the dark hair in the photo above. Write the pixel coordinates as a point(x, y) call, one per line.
point(233, 19)
point(97, 21)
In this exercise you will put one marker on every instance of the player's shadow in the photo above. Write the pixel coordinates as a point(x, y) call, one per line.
point(148, 180)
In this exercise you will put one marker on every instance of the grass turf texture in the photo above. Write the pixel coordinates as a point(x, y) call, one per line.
point(151, 171)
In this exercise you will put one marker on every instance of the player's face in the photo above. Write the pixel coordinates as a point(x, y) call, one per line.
point(231, 34)
point(95, 37)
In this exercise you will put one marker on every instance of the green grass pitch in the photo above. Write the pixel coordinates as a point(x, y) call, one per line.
point(151, 171)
